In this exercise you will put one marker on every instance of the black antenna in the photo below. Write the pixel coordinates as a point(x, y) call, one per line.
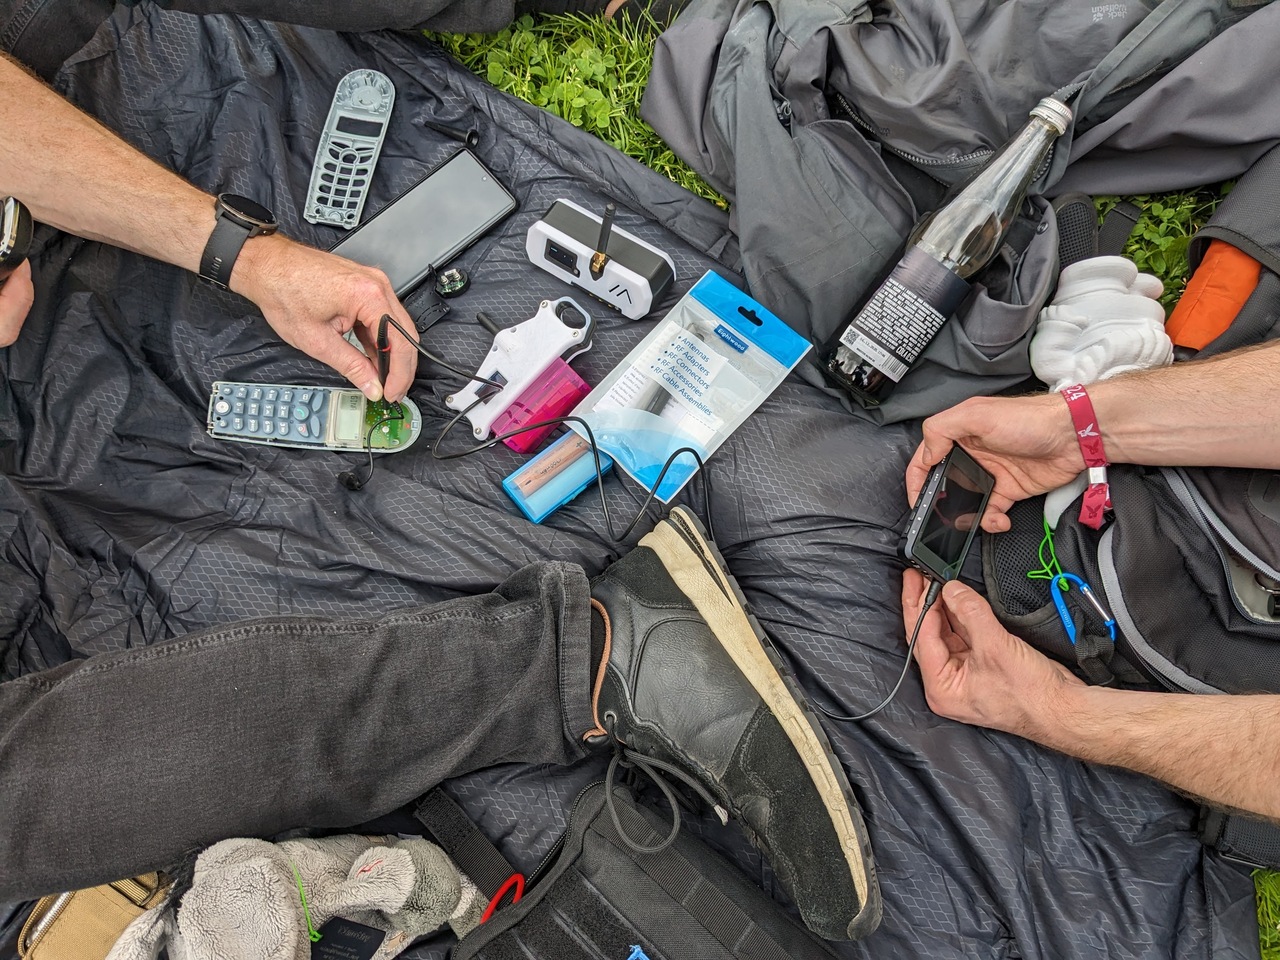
point(601, 256)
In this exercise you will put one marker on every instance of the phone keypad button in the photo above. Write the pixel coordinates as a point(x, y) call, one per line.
point(314, 424)
point(317, 401)
point(300, 412)
point(239, 406)
point(237, 423)
point(269, 409)
point(254, 408)
point(268, 426)
point(255, 393)
point(286, 396)
point(252, 425)
point(222, 407)
point(271, 394)
point(282, 428)
point(302, 430)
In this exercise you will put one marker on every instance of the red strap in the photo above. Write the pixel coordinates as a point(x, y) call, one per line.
point(514, 882)
point(1097, 498)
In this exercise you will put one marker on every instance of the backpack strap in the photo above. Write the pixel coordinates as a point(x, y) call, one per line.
point(459, 837)
point(1093, 657)
point(1246, 840)
point(1117, 227)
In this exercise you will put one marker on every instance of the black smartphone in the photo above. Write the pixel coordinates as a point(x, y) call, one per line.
point(432, 222)
point(947, 516)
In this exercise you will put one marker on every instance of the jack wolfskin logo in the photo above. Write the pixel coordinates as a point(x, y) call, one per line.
point(637, 953)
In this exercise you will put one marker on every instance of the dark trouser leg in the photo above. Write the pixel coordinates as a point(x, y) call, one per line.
point(44, 33)
point(460, 16)
point(120, 764)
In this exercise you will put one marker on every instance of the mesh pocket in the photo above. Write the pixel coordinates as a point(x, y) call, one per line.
point(1014, 553)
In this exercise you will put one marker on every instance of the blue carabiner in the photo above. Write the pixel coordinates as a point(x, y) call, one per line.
point(1069, 624)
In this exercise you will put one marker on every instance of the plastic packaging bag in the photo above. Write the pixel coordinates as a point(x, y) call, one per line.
point(709, 363)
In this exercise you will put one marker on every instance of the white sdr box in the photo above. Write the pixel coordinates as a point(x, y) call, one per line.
point(635, 275)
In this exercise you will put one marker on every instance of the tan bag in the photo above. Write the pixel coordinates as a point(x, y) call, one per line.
point(85, 924)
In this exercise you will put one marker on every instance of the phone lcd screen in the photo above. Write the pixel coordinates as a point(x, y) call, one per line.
point(361, 128)
point(348, 415)
point(954, 514)
point(431, 223)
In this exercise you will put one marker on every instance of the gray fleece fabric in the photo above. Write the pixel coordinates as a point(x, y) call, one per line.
point(245, 902)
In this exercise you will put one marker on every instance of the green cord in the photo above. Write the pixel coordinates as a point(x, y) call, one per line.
point(1050, 569)
point(312, 932)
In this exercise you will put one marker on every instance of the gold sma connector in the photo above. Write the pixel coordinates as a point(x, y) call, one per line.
point(601, 257)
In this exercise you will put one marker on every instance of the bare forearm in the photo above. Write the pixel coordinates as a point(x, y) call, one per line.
point(76, 175)
point(1221, 412)
point(1223, 749)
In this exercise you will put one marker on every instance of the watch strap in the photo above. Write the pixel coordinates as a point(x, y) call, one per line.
point(220, 253)
point(1097, 496)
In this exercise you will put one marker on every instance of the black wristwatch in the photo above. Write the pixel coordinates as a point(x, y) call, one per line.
point(239, 218)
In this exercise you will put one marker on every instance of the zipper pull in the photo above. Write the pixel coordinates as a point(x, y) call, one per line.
point(783, 109)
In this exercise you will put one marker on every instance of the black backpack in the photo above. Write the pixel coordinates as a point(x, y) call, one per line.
point(1189, 563)
point(596, 897)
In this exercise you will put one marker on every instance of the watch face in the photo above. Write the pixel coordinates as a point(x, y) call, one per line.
point(253, 213)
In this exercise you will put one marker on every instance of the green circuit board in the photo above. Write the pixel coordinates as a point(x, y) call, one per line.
point(391, 423)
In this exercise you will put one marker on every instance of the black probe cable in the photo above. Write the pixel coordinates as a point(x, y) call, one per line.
point(557, 421)
point(349, 478)
point(935, 589)
point(437, 360)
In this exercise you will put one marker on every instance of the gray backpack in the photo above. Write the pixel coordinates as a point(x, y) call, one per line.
point(832, 126)
point(1189, 564)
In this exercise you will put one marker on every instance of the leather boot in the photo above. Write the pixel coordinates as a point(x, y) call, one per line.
point(690, 684)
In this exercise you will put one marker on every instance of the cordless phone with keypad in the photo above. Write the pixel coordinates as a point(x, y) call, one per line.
point(311, 418)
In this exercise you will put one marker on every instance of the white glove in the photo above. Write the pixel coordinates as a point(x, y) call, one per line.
point(1106, 319)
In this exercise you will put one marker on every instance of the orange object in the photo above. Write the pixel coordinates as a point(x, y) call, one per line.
point(1214, 295)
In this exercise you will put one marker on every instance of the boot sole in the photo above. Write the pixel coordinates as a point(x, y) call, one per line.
point(683, 541)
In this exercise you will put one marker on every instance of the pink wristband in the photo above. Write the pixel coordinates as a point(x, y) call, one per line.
point(1097, 498)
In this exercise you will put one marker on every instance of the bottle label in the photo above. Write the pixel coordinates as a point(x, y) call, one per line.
point(905, 313)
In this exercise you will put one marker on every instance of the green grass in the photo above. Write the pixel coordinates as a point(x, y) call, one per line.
point(593, 73)
point(1268, 886)
point(1160, 240)
point(587, 70)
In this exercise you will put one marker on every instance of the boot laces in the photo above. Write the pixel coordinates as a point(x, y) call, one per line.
point(626, 758)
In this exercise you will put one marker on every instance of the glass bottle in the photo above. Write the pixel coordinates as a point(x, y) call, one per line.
point(879, 345)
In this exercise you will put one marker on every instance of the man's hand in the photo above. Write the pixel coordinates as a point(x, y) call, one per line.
point(312, 299)
point(975, 671)
point(1027, 443)
point(16, 296)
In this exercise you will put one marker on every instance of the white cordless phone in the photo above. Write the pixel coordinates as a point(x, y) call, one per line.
point(349, 148)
